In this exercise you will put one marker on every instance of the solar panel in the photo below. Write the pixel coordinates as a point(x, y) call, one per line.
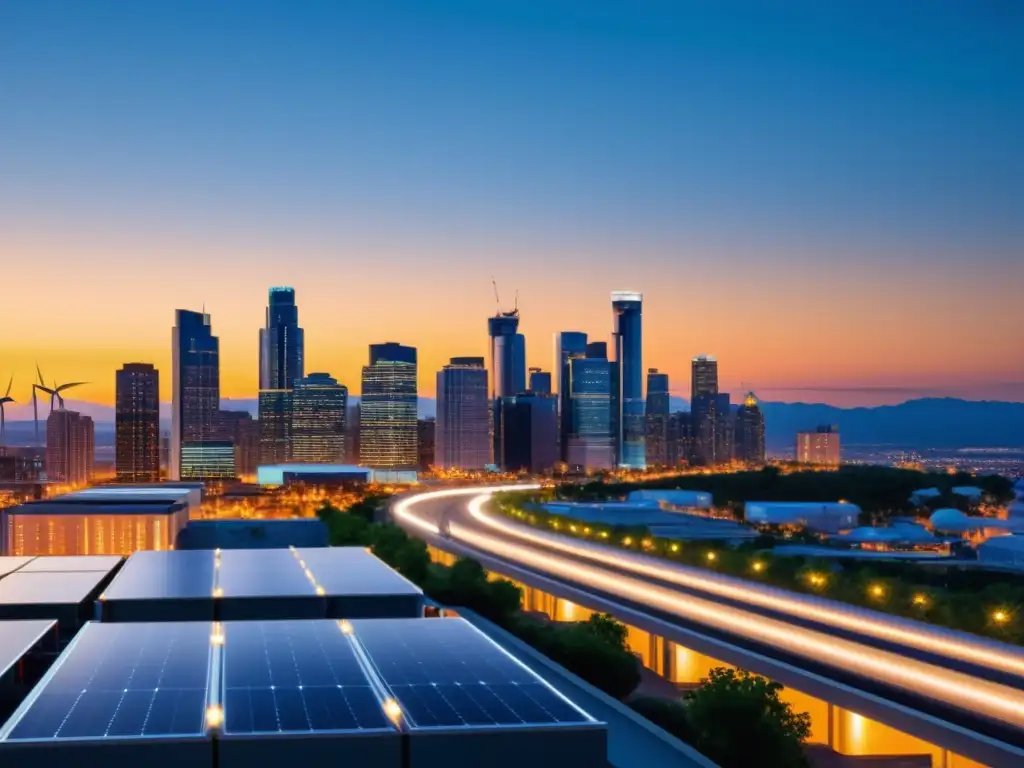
point(11, 564)
point(354, 571)
point(163, 575)
point(295, 677)
point(262, 573)
point(445, 673)
point(18, 637)
point(122, 681)
point(43, 588)
point(56, 563)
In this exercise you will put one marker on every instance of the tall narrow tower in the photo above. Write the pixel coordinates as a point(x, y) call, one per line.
point(195, 395)
point(137, 442)
point(281, 365)
point(627, 311)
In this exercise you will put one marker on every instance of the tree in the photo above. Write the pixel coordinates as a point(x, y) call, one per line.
point(738, 720)
point(605, 628)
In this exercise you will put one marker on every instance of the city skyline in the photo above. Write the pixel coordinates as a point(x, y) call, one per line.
point(826, 224)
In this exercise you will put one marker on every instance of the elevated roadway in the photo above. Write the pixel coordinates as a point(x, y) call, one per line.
point(968, 690)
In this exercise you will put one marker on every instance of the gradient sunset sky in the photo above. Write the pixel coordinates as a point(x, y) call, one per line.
point(828, 196)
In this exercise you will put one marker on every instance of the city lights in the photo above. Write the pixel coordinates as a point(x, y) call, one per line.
point(711, 556)
point(1000, 616)
point(214, 716)
point(920, 599)
point(757, 566)
point(877, 591)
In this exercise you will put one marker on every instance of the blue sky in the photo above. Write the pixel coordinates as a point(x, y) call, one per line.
point(805, 147)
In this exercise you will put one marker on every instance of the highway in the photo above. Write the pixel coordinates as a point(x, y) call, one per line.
point(956, 673)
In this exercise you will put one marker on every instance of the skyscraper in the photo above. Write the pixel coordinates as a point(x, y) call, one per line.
point(137, 424)
point(568, 345)
point(426, 432)
point(590, 443)
point(627, 310)
point(704, 409)
point(319, 403)
point(508, 351)
point(540, 382)
point(657, 417)
point(749, 446)
point(195, 388)
point(387, 427)
point(597, 349)
point(70, 446)
point(462, 438)
point(281, 365)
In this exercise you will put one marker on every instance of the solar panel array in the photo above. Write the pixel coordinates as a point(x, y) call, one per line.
point(447, 674)
point(354, 571)
point(160, 575)
point(123, 681)
point(68, 563)
point(295, 676)
point(44, 587)
point(18, 637)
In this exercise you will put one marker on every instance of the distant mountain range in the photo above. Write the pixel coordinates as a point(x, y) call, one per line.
point(925, 423)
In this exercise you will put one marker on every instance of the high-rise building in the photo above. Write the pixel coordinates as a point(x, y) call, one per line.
point(281, 365)
point(597, 350)
point(195, 388)
point(530, 433)
point(426, 435)
point(656, 417)
point(540, 382)
point(704, 405)
point(725, 429)
point(506, 354)
point(319, 403)
point(244, 433)
point(568, 345)
point(679, 438)
point(387, 427)
point(819, 447)
point(137, 424)
point(590, 443)
point(628, 387)
point(749, 445)
point(70, 447)
point(463, 436)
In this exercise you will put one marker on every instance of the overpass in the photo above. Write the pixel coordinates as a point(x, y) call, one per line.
point(954, 690)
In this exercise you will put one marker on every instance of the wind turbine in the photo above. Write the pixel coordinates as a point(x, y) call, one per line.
point(3, 401)
point(55, 395)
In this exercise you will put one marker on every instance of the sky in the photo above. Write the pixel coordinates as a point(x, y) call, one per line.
point(828, 197)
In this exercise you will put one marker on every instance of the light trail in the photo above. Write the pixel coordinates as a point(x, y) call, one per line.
point(952, 688)
point(862, 621)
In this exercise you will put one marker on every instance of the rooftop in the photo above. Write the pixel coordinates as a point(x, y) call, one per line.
point(17, 638)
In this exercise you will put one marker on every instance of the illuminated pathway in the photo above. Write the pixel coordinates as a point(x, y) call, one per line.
point(641, 581)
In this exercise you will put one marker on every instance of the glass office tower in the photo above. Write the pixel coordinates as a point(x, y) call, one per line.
point(462, 438)
point(658, 407)
point(387, 415)
point(568, 345)
point(137, 424)
point(508, 350)
point(319, 403)
point(195, 387)
point(281, 365)
point(590, 442)
point(627, 310)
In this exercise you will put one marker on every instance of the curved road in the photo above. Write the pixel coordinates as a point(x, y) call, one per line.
point(958, 672)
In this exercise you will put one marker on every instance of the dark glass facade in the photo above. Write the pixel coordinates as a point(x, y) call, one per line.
point(657, 417)
point(137, 424)
point(195, 388)
point(540, 382)
point(749, 447)
point(387, 419)
point(70, 447)
point(281, 366)
point(530, 433)
point(319, 403)
point(590, 443)
point(627, 312)
point(243, 431)
point(704, 407)
point(568, 345)
point(463, 432)
point(508, 350)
